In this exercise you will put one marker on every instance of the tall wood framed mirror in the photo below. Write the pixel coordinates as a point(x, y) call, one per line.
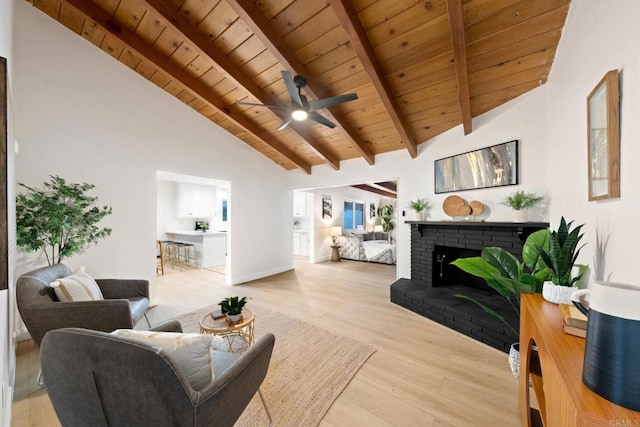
point(603, 128)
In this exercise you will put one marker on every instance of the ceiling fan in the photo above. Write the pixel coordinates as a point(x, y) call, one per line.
point(300, 108)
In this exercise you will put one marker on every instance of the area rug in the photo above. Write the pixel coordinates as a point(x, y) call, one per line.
point(309, 368)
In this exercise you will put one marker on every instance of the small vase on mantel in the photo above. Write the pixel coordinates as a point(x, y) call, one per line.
point(417, 216)
point(522, 215)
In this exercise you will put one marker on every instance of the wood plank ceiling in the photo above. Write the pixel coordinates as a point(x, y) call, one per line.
point(419, 67)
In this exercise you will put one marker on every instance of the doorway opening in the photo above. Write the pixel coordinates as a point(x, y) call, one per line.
point(351, 212)
point(193, 222)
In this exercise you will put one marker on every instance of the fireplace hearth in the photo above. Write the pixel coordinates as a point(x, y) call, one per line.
point(434, 282)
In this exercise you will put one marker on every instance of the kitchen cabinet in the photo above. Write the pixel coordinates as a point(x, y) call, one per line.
point(301, 243)
point(197, 201)
point(301, 204)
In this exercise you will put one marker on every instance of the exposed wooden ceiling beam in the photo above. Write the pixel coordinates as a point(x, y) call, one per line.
point(350, 21)
point(385, 186)
point(203, 47)
point(367, 187)
point(458, 40)
point(252, 16)
point(91, 11)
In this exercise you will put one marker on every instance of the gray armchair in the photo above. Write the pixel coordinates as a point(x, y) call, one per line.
point(124, 305)
point(99, 379)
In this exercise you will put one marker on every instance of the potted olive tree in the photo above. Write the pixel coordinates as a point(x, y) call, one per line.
point(521, 202)
point(560, 257)
point(419, 208)
point(61, 219)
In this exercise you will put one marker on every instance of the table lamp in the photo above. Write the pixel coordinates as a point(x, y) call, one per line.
point(335, 231)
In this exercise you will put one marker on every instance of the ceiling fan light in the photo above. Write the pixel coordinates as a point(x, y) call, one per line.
point(299, 115)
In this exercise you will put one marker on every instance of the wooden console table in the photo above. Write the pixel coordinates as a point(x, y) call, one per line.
point(556, 374)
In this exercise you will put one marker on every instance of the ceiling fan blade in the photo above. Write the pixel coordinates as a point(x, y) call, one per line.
point(329, 102)
point(285, 123)
point(292, 88)
point(321, 119)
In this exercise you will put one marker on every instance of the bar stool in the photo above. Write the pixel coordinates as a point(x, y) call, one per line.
point(186, 256)
point(169, 252)
point(159, 258)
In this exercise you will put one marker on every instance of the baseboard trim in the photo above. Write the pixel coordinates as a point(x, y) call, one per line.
point(259, 275)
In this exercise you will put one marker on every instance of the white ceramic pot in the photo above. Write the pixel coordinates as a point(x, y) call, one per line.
point(521, 216)
point(234, 318)
point(514, 359)
point(557, 294)
point(417, 216)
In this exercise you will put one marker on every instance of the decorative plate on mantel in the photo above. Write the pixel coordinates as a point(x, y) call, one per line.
point(455, 206)
point(476, 208)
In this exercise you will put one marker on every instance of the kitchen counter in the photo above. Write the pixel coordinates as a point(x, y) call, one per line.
point(194, 232)
point(210, 247)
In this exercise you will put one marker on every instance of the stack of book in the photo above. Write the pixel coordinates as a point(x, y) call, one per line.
point(573, 321)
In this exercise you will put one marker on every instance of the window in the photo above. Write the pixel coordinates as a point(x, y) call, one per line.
point(224, 210)
point(353, 214)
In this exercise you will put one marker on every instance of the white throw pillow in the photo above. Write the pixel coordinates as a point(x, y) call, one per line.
point(191, 352)
point(77, 287)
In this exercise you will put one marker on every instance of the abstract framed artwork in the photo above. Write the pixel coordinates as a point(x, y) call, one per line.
point(327, 207)
point(494, 166)
point(603, 127)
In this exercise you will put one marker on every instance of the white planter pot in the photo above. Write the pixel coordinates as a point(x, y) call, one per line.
point(417, 216)
point(234, 318)
point(557, 294)
point(521, 216)
point(514, 359)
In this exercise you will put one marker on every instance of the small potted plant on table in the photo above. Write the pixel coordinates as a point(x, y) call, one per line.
point(232, 307)
point(559, 257)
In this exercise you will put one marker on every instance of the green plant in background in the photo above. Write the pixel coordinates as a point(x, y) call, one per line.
point(419, 204)
point(233, 305)
point(385, 213)
point(504, 273)
point(521, 200)
point(561, 253)
point(60, 220)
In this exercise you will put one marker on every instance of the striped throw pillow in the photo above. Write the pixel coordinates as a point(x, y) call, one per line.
point(77, 287)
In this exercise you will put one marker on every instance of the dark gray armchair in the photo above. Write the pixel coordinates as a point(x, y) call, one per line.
point(99, 379)
point(124, 305)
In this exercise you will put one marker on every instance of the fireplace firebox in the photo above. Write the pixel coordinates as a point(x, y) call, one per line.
point(434, 282)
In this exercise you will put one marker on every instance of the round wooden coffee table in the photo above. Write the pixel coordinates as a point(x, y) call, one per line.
point(239, 336)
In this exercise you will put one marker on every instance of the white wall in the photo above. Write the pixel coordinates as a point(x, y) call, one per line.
point(522, 119)
point(84, 116)
point(599, 36)
point(7, 313)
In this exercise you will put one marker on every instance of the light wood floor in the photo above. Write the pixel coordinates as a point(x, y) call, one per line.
point(422, 374)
